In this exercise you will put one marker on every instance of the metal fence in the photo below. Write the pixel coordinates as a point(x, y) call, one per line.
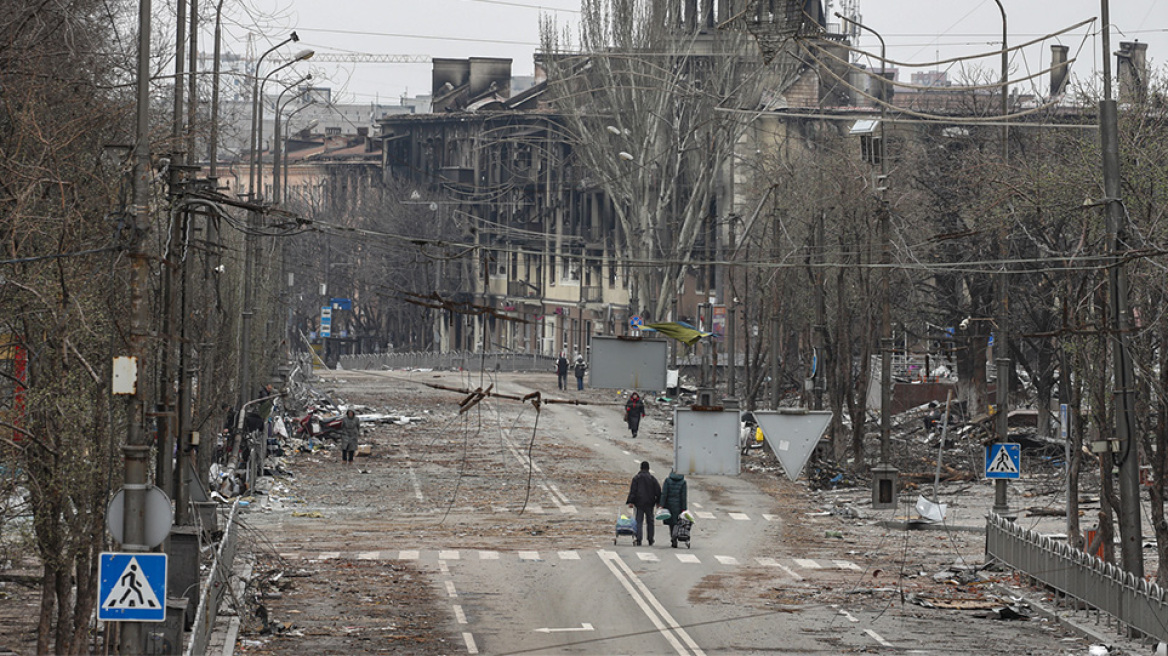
point(215, 587)
point(1134, 603)
point(454, 360)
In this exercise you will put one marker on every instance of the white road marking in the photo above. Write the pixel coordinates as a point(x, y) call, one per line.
point(696, 505)
point(666, 625)
point(771, 562)
point(408, 555)
point(877, 638)
point(443, 567)
point(807, 563)
point(470, 643)
point(704, 514)
point(459, 616)
point(330, 555)
point(688, 558)
point(449, 554)
point(367, 555)
point(450, 590)
point(770, 518)
point(535, 510)
point(529, 555)
point(727, 560)
point(413, 477)
point(851, 618)
point(584, 626)
point(568, 509)
point(647, 556)
point(846, 564)
point(488, 555)
point(742, 517)
point(569, 555)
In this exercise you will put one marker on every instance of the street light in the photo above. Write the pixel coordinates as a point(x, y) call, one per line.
point(257, 164)
point(883, 474)
point(255, 92)
point(287, 128)
point(276, 137)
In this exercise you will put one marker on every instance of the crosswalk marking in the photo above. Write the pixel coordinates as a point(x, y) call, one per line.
point(445, 555)
point(739, 516)
point(769, 518)
point(702, 514)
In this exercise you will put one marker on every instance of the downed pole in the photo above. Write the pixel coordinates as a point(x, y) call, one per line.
point(478, 394)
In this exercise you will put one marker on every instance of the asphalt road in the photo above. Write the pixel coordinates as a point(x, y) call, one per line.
point(508, 514)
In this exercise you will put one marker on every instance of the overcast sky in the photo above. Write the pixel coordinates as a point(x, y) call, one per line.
point(915, 31)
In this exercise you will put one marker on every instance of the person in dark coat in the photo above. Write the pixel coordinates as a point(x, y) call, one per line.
point(634, 410)
point(673, 498)
point(562, 371)
point(579, 369)
point(350, 433)
point(644, 492)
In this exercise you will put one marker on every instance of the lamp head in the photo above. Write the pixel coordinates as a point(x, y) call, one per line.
point(304, 54)
point(294, 37)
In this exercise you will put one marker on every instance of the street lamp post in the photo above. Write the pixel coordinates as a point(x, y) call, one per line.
point(255, 93)
point(277, 135)
point(883, 474)
point(258, 162)
point(251, 243)
point(1001, 333)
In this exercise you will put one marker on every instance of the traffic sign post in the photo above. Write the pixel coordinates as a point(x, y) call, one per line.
point(131, 587)
point(1003, 460)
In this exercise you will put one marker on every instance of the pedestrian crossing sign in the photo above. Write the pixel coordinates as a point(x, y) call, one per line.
point(131, 587)
point(1003, 460)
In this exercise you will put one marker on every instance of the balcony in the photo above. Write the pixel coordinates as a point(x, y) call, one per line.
point(592, 294)
point(520, 289)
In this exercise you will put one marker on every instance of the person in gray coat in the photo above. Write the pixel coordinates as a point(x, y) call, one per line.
point(673, 498)
point(350, 433)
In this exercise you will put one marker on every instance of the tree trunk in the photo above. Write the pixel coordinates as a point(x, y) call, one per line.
point(45, 620)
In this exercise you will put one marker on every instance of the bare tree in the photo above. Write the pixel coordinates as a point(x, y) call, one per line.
point(650, 109)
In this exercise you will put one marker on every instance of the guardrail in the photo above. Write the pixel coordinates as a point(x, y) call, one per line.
point(214, 588)
point(454, 360)
point(1138, 604)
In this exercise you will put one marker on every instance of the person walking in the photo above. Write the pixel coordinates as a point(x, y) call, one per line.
point(644, 492)
point(673, 499)
point(562, 371)
point(634, 410)
point(579, 369)
point(350, 433)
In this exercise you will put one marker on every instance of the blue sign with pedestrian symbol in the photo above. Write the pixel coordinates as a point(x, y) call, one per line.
point(1003, 460)
point(131, 587)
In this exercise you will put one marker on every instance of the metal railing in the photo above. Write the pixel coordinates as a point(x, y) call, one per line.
point(454, 360)
point(215, 587)
point(1138, 604)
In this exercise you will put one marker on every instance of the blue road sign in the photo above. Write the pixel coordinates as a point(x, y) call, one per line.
point(131, 587)
point(1003, 460)
point(636, 322)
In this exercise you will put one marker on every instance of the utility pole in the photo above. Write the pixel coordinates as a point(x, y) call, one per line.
point(1128, 453)
point(1002, 359)
point(136, 450)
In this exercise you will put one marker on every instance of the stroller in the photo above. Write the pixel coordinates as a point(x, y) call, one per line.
point(680, 531)
point(625, 525)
